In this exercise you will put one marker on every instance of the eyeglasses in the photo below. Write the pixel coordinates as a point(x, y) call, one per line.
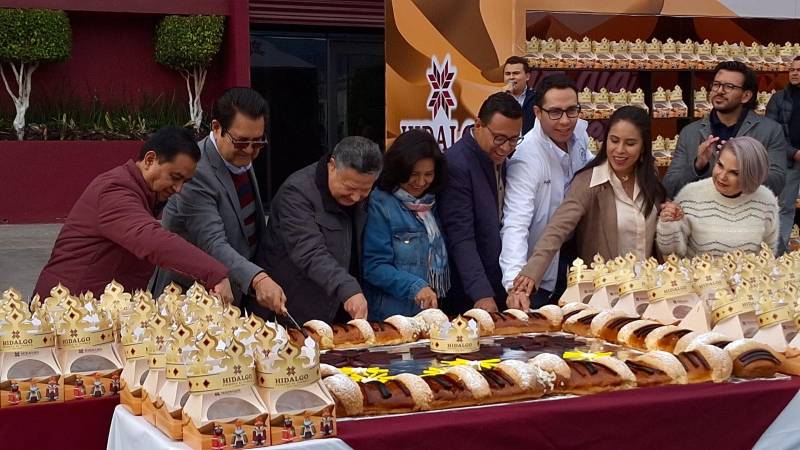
point(555, 114)
point(500, 139)
point(242, 145)
point(726, 87)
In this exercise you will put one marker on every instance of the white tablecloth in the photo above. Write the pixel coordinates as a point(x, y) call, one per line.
point(784, 433)
point(129, 432)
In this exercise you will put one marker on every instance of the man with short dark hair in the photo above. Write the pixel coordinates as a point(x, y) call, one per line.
point(471, 205)
point(539, 175)
point(784, 108)
point(517, 75)
point(733, 97)
point(313, 239)
point(220, 211)
point(112, 232)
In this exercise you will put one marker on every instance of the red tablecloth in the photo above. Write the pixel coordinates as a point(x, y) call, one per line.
point(704, 416)
point(78, 425)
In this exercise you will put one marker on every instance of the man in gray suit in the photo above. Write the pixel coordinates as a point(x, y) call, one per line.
point(220, 210)
point(733, 96)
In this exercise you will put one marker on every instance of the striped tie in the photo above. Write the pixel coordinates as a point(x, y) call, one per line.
point(247, 201)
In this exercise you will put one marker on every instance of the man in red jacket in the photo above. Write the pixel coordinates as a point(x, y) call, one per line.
point(112, 231)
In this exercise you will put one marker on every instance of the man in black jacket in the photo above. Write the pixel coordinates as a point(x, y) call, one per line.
point(784, 108)
point(313, 239)
point(517, 75)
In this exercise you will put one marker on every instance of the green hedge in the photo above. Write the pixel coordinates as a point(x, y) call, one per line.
point(186, 42)
point(34, 35)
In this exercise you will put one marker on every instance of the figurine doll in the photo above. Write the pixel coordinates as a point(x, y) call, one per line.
point(52, 390)
point(34, 394)
point(288, 433)
point(327, 423)
point(307, 431)
point(218, 441)
point(259, 433)
point(114, 384)
point(14, 397)
point(239, 436)
point(97, 388)
point(79, 391)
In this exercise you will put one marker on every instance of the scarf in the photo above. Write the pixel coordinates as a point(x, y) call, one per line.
point(438, 269)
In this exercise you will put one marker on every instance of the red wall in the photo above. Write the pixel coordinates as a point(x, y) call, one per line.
point(47, 177)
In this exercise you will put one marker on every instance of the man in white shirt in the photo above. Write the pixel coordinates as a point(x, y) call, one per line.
point(517, 75)
point(538, 176)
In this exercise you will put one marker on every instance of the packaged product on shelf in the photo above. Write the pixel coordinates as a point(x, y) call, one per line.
point(678, 107)
point(662, 107)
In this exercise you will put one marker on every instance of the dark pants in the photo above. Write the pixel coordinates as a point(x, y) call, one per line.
point(544, 297)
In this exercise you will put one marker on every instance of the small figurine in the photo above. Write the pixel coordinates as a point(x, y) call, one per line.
point(288, 433)
point(114, 384)
point(79, 391)
point(307, 431)
point(327, 423)
point(34, 394)
point(52, 390)
point(259, 433)
point(218, 441)
point(239, 436)
point(97, 388)
point(15, 396)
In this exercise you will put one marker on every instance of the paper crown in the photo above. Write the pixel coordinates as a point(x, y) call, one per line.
point(708, 277)
point(772, 312)
point(672, 284)
point(457, 336)
point(214, 370)
point(79, 329)
point(644, 281)
point(178, 351)
point(22, 330)
point(726, 305)
point(579, 272)
point(158, 334)
point(282, 363)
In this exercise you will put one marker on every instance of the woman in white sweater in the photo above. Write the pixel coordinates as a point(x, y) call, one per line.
point(729, 211)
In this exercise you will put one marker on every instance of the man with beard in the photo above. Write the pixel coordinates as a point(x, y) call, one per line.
point(784, 108)
point(733, 96)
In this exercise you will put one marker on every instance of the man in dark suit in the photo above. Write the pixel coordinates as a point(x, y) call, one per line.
point(220, 211)
point(471, 205)
point(517, 75)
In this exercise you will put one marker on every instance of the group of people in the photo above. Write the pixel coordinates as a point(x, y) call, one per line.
point(491, 223)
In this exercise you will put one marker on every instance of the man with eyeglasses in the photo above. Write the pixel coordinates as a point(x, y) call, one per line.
point(471, 205)
point(733, 97)
point(220, 211)
point(539, 175)
point(784, 108)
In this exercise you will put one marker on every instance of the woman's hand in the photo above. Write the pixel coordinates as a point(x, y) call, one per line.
point(426, 298)
point(670, 212)
point(523, 284)
point(518, 300)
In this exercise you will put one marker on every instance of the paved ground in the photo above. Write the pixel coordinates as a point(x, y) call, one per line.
point(24, 250)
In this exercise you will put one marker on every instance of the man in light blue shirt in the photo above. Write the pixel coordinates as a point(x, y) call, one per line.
point(538, 177)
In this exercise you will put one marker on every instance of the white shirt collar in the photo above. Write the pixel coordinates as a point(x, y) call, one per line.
point(236, 170)
point(603, 174)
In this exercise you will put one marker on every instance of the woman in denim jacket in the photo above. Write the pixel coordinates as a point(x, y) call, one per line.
point(405, 260)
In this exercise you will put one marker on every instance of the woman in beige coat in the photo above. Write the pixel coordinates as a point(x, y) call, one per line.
point(611, 207)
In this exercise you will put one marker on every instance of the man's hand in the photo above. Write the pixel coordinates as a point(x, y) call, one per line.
point(704, 152)
point(223, 291)
point(523, 284)
point(426, 298)
point(268, 293)
point(670, 212)
point(486, 303)
point(797, 155)
point(518, 300)
point(356, 306)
